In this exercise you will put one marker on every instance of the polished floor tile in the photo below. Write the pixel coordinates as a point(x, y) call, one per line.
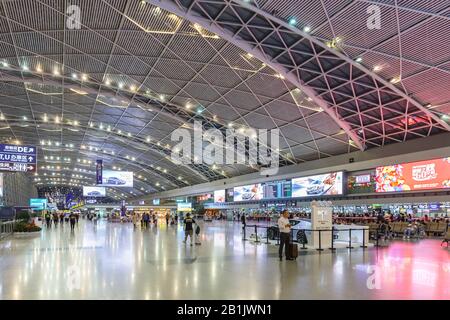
point(113, 261)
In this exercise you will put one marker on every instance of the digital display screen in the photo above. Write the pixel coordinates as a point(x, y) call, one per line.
point(414, 176)
point(219, 196)
point(277, 189)
point(248, 193)
point(318, 185)
point(156, 202)
point(94, 192)
point(117, 178)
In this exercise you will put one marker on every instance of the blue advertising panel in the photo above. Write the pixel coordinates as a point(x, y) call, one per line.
point(99, 171)
point(15, 158)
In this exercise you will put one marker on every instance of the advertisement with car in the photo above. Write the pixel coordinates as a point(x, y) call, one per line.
point(248, 193)
point(319, 185)
point(117, 178)
point(94, 192)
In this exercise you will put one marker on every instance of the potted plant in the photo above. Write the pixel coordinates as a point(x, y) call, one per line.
point(25, 229)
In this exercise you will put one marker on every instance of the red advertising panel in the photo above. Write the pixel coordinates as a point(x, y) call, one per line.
point(414, 176)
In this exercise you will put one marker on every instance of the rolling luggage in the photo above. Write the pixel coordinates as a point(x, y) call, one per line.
point(293, 250)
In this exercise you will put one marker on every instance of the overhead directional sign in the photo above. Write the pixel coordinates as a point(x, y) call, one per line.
point(16, 158)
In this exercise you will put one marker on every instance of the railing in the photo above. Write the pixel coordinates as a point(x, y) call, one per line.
point(320, 231)
point(6, 228)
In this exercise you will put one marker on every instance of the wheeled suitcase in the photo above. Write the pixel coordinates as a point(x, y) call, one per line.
point(293, 250)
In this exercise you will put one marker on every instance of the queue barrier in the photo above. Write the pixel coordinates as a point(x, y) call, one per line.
point(6, 228)
point(320, 247)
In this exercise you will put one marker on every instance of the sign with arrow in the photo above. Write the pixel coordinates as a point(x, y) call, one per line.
point(15, 158)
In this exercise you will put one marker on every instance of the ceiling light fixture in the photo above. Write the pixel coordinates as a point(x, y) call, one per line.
point(307, 29)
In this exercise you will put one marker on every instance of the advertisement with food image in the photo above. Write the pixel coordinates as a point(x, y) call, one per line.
point(414, 176)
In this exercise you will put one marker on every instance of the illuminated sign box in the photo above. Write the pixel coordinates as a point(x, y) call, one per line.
point(38, 204)
point(318, 185)
point(184, 207)
point(414, 176)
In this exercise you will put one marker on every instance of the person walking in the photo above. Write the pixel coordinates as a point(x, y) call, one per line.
point(188, 228)
point(55, 219)
point(285, 235)
point(72, 220)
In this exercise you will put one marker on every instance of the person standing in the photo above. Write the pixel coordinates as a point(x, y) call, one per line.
point(134, 219)
point(48, 220)
point(188, 228)
point(167, 218)
point(285, 235)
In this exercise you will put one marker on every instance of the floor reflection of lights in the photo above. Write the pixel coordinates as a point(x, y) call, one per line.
point(113, 261)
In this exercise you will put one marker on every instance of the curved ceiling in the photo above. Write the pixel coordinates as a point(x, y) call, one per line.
point(117, 87)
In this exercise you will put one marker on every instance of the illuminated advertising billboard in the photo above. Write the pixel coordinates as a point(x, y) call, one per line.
point(414, 176)
point(320, 185)
point(184, 207)
point(117, 178)
point(277, 189)
point(248, 193)
point(156, 202)
point(95, 192)
point(219, 196)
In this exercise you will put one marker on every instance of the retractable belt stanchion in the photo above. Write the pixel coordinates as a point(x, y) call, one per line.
point(350, 239)
point(332, 240)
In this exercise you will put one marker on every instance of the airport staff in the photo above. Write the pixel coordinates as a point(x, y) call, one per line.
point(285, 235)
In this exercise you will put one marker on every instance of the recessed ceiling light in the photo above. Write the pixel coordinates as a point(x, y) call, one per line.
point(395, 80)
point(74, 76)
point(359, 59)
point(84, 77)
point(292, 21)
point(38, 69)
point(377, 68)
point(307, 29)
point(5, 64)
point(107, 82)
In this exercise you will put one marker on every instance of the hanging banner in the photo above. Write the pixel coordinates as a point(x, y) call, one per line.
point(99, 171)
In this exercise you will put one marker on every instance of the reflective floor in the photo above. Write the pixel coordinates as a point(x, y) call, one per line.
point(113, 261)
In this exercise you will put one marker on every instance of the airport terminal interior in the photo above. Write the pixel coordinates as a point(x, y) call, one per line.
point(224, 149)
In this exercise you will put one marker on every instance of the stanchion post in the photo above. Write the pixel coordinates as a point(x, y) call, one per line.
point(320, 241)
point(350, 239)
point(267, 235)
point(304, 242)
point(256, 233)
point(364, 239)
point(332, 240)
point(378, 236)
point(245, 238)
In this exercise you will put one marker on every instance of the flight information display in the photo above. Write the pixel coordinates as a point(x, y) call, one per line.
point(277, 189)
